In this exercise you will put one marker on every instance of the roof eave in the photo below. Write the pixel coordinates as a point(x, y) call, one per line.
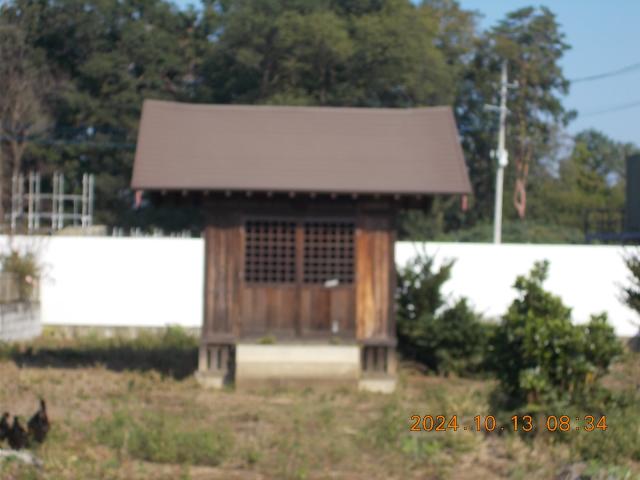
point(465, 190)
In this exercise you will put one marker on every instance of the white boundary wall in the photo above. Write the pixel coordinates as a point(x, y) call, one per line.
point(586, 277)
point(111, 281)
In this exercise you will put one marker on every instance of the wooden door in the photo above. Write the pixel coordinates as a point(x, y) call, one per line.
point(299, 278)
point(327, 294)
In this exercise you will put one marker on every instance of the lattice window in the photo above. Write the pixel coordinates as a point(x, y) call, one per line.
point(270, 251)
point(328, 252)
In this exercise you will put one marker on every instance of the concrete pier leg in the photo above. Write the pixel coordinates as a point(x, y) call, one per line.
point(214, 365)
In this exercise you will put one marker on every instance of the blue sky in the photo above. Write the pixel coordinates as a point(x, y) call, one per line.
point(605, 36)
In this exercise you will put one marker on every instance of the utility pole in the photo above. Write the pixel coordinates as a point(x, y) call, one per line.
point(501, 154)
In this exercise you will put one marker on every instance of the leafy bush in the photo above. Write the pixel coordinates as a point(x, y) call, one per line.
point(539, 356)
point(602, 345)
point(462, 339)
point(26, 270)
point(631, 294)
point(445, 339)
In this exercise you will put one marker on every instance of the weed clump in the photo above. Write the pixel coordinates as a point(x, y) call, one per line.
point(162, 438)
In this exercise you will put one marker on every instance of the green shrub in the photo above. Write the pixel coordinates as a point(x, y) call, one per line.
point(602, 345)
point(539, 356)
point(445, 339)
point(26, 270)
point(462, 339)
point(631, 293)
point(175, 337)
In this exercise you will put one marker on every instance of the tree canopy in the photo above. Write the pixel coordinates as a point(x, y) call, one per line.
point(90, 64)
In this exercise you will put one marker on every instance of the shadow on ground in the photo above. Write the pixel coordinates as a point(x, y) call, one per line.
point(177, 363)
point(172, 353)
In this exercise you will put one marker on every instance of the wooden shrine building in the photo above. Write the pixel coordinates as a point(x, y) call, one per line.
point(300, 208)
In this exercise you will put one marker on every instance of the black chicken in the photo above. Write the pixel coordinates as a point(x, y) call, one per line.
point(18, 437)
point(39, 423)
point(4, 426)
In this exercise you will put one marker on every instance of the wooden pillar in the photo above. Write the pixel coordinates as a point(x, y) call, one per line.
point(375, 277)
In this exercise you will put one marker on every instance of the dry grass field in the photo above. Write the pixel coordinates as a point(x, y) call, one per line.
point(129, 409)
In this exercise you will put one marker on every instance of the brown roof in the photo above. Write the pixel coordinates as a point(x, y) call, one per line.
point(315, 149)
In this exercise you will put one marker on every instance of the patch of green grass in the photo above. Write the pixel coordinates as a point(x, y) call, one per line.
point(621, 440)
point(384, 431)
point(164, 439)
point(421, 446)
point(6, 351)
point(597, 470)
point(251, 456)
point(293, 459)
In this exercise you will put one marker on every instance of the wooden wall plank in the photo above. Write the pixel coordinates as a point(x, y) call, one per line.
point(305, 310)
point(365, 296)
point(320, 309)
point(223, 279)
point(365, 308)
point(342, 305)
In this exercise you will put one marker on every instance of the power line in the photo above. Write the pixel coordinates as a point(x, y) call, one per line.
point(620, 71)
point(617, 108)
point(79, 142)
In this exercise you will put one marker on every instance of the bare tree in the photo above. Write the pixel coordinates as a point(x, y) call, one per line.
point(23, 85)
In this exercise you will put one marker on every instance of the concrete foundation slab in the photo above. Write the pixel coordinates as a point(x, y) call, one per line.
point(290, 364)
point(206, 380)
point(378, 385)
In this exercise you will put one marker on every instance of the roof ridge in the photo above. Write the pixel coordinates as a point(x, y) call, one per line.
point(299, 108)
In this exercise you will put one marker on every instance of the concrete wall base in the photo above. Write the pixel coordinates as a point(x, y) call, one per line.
point(19, 321)
point(378, 385)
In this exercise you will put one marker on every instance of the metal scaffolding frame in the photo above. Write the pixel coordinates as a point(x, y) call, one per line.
point(58, 207)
